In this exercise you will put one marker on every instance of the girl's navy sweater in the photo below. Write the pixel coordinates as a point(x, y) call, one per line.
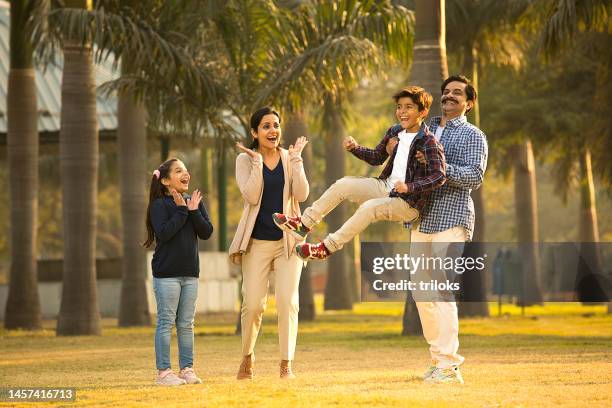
point(176, 235)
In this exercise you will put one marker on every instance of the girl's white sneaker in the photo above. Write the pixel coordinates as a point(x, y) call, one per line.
point(167, 377)
point(189, 376)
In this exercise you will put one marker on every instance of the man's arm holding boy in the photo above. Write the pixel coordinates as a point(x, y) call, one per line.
point(469, 173)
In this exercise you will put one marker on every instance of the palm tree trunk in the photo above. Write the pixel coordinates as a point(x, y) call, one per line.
point(338, 293)
point(208, 244)
point(164, 147)
point(132, 138)
point(222, 193)
point(429, 69)
point(23, 304)
point(429, 65)
point(477, 195)
point(588, 283)
point(588, 228)
point(296, 127)
point(525, 194)
point(79, 310)
point(474, 283)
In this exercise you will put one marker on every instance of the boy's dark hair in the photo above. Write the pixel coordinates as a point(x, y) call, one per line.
point(470, 91)
point(420, 96)
point(157, 190)
point(256, 118)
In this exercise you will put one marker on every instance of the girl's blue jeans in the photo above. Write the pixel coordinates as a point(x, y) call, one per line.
point(176, 299)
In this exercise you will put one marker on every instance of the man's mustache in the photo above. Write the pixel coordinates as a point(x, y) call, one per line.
point(448, 98)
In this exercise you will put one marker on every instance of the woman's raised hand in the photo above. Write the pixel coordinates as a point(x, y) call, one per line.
point(194, 202)
point(299, 145)
point(248, 151)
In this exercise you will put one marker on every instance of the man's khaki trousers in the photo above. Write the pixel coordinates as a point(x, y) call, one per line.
point(438, 315)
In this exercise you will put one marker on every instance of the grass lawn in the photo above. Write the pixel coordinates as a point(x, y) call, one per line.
point(555, 355)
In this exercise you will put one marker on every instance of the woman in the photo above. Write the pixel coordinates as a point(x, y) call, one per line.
point(270, 179)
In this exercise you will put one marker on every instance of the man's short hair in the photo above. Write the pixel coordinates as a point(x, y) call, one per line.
point(470, 91)
point(419, 96)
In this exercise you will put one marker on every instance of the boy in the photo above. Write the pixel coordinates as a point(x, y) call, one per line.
point(398, 194)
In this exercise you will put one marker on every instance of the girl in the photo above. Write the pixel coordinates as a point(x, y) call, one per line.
point(270, 178)
point(175, 222)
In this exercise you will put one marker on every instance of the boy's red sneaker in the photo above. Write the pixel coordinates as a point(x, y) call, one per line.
point(312, 251)
point(292, 225)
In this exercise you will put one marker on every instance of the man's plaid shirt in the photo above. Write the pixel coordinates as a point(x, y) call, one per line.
point(466, 152)
point(421, 178)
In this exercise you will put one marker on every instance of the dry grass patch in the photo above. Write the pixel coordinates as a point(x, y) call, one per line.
point(560, 357)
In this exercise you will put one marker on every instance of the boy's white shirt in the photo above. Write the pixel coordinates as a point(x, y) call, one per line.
point(401, 159)
point(438, 133)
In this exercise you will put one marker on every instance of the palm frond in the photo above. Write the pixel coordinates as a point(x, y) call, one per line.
point(326, 48)
point(565, 18)
point(491, 27)
point(128, 36)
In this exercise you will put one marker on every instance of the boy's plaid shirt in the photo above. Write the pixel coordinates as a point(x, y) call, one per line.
point(421, 178)
point(466, 152)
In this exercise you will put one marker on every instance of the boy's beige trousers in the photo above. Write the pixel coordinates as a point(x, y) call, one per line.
point(375, 204)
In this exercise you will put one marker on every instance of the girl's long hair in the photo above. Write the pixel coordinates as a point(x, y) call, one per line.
point(157, 190)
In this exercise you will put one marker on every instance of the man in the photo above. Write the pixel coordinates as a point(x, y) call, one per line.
point(398, 194)
point(449, 218)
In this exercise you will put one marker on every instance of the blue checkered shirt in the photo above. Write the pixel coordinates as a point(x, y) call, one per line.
point(466, 150)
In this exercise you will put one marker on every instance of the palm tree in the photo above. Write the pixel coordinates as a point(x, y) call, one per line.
point(338, 293)
point(588, 234)
point(581, 66)
point(189, 90)
point(79, 310)
point(482, 32)
point(132, 143)
point(330, 48)
point(138, 32)
point(295, 127)
point(429, 69)
point(241, 29)
point(429, 66)
point(564, 21)
point(527, 223)
point(222, 153)
point(132, 137)
point(23, 305)
point(205, 188)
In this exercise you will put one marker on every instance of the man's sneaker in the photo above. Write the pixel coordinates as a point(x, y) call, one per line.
point(446, 376)
point(167, 377)
point(312, 251)
point(430, 371)
point(189, 376)
point(292, 225)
